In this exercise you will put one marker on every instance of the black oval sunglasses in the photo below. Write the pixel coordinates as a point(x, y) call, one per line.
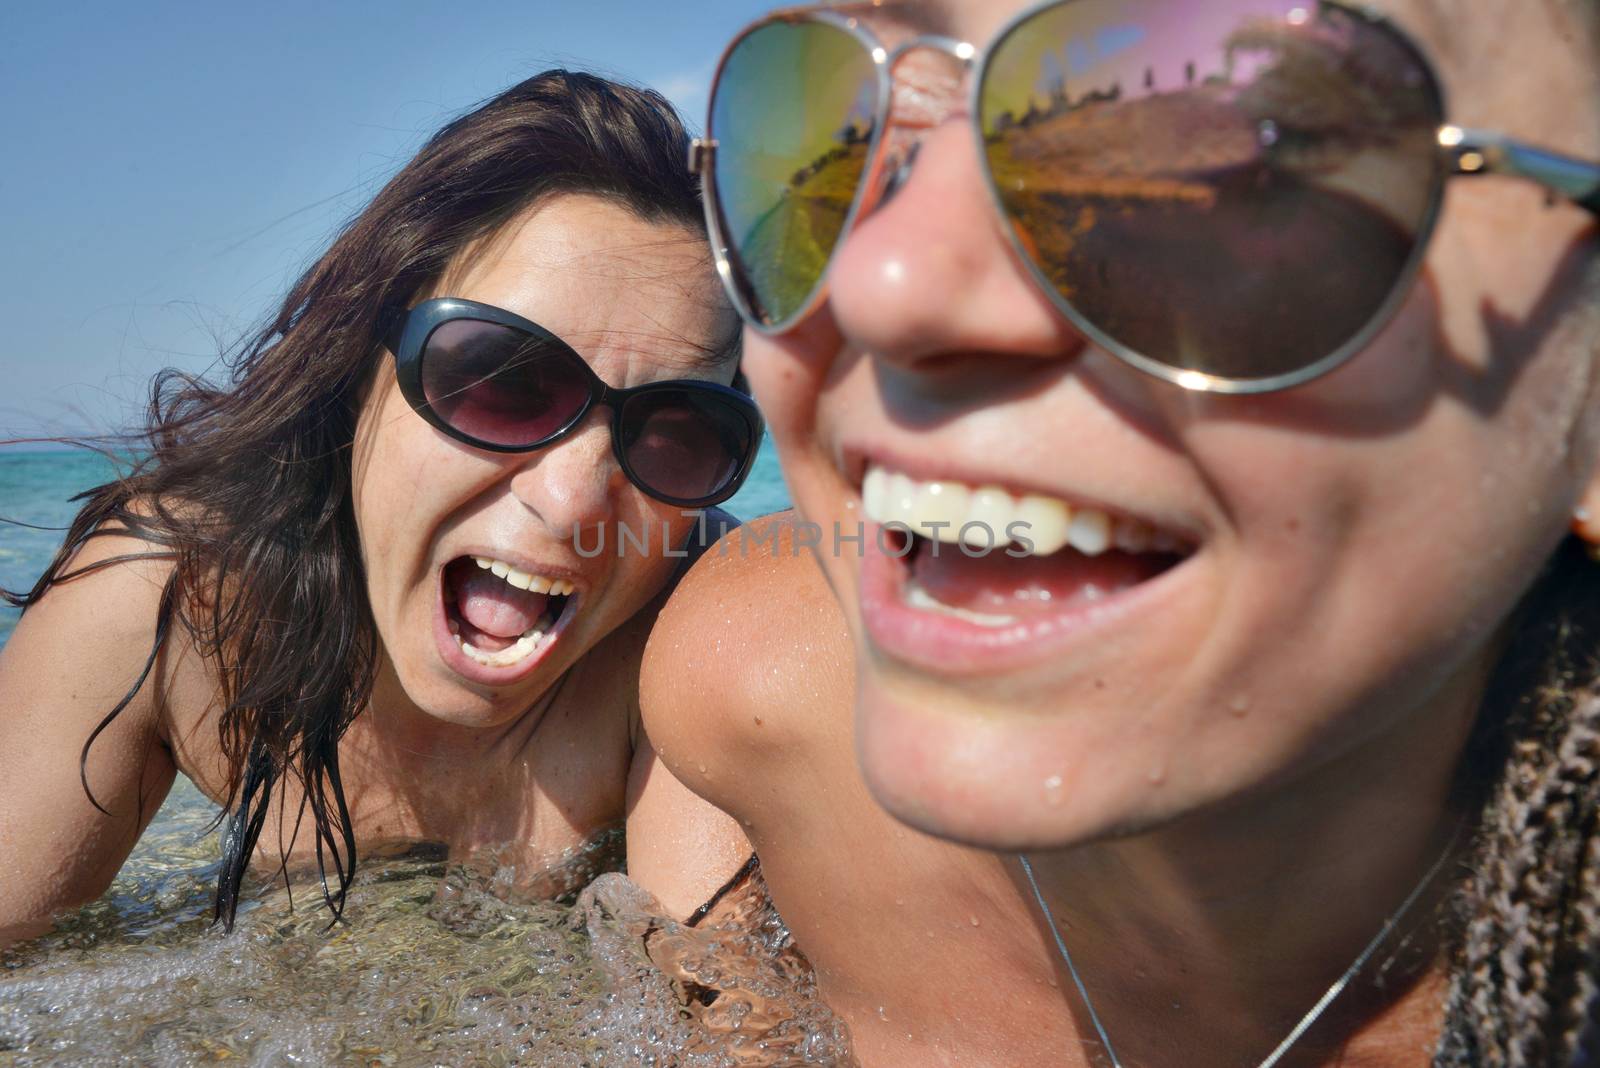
point(499, 382)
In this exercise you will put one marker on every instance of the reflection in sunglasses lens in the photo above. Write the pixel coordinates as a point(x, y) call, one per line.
point(1183, 175)
point(500, 385)
point(793, 118)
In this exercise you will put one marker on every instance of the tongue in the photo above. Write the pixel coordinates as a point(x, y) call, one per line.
point(997, 584)
point(497, 608)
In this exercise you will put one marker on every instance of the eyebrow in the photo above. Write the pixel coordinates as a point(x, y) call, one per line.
point(674, 352)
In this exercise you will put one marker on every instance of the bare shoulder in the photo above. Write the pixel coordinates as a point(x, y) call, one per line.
point(74, 657)
point(98, 617)
point(749, 663)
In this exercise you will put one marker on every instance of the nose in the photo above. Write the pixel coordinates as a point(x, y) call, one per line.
point(928, 275)
point(572, 485)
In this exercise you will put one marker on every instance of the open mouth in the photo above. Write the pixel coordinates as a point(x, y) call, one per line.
point(992, 567)
point(499, 615)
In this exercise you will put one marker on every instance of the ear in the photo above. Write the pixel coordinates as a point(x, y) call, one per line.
point(1586, 517)
point(1586, 510)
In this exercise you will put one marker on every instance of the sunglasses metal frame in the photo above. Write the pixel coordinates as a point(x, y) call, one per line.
point(1463, 153)
point(406, 338)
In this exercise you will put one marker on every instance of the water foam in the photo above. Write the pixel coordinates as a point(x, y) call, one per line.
point(437, 964)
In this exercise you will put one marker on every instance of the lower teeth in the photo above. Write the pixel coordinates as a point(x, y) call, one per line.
point(917, 597)
point(505, 657)
point(518, 650)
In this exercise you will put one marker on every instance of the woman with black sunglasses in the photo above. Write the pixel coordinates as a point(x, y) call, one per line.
point(394, 580)
point(1213, 412)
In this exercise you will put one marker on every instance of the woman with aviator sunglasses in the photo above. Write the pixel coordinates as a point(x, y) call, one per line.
point(355, 595)
point(1276, 726)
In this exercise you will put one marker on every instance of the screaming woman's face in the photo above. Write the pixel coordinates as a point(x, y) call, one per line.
point(482, 567)
point(1252, 589)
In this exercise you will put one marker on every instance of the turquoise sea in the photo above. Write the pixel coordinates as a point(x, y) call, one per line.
point(37, 484)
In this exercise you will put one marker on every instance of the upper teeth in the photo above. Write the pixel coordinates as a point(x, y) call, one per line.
point(522, 580)
point(990, 517)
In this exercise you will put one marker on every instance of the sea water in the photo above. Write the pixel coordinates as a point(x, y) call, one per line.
point(440, 961)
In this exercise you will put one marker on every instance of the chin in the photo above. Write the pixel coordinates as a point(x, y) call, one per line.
point(985, 778)
point(443, 696)
point(936, 768)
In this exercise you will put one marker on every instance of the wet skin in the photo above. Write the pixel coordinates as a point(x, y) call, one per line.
point(533, 765)
point(1229, 774)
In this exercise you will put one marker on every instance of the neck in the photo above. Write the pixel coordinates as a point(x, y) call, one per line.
point(411, 774)
point(407, 736)
point(1219, 932)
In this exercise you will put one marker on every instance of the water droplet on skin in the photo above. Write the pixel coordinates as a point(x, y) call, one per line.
point(900, 901)
point(702, 768)
point(1239, 707)
point(975, 922)
point(1157, 775)
point(1054, 790)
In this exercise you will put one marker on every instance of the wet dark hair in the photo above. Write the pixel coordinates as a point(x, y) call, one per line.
point(1525, 980)
point(247, 486)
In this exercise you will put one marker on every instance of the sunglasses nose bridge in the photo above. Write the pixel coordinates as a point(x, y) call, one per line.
point(570, 483)
point(963, 51)
point(604, 395)
point(921, 98)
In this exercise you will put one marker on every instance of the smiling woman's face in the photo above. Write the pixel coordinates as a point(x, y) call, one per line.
point(639, 302)
point(1339, 557)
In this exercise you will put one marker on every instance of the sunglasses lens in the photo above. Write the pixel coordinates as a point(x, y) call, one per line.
point(1236, 188)
point(792, 114)
point(499, 385)
point(686, 444)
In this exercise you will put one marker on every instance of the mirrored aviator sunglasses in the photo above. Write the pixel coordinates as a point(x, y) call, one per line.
point(496, 381)
point(1177, 175)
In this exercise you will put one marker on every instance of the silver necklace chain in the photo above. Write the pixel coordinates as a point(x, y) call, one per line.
point(1389, 924)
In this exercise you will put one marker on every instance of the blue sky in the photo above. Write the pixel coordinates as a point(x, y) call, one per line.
point(166, 169)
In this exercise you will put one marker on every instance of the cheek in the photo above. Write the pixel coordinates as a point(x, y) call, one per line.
point(1386, 557)
point(398, 472)
point(806, 383)
point(663, 529)
point(788, 373)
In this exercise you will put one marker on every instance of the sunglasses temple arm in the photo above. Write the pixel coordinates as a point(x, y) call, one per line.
point(1479, 152)
point(391, 328)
